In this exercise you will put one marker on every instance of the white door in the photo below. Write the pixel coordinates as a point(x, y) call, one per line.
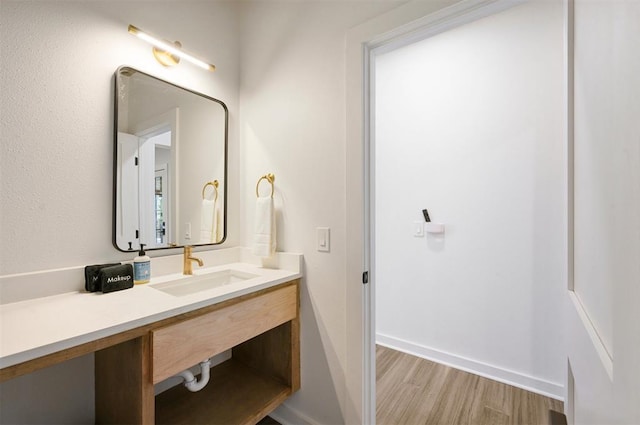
point(604, 295)
point(127, 214)
point(146, 194)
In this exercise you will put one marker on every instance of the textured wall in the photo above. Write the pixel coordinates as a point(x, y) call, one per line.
point(293, 124)
point(56, 76)
point(58, 60)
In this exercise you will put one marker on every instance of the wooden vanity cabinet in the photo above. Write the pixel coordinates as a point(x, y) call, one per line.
point(262, 331)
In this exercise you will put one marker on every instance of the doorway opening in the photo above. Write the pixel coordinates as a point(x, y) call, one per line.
point(467, 133)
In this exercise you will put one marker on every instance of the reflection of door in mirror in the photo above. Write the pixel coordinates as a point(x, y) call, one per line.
point(144, 179)
point(157, 146)
point(127, 181)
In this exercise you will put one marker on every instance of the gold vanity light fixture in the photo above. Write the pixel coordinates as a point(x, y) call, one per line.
point(166, 53)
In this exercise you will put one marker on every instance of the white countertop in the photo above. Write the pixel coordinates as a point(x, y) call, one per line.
point(39, 326)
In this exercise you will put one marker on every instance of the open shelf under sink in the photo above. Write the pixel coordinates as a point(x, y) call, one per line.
point(236, 394)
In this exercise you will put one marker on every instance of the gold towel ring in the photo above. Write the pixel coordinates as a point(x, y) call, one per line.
point(215, 187)
point(268, 177)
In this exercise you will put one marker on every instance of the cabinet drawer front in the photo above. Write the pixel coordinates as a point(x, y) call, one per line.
point(180, 346)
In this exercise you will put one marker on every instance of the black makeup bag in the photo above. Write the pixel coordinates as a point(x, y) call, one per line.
point(91, 283)
point(116, 278)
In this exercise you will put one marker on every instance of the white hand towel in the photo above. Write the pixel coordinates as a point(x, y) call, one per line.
point(264, 243)
point(217, 227)
point(207, 221)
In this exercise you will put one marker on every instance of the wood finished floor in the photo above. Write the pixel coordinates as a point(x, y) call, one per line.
point(411, 390)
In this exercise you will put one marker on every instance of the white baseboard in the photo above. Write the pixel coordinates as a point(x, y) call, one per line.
point(287, 415)
point(529, 383)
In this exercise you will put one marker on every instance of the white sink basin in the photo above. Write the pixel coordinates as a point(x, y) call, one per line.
point(188, 285)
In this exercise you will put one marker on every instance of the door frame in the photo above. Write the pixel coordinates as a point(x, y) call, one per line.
point(412, 22)
point(162, 123)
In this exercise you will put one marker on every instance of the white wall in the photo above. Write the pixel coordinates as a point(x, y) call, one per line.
point(57, 116)
point(56, 77)
point(469, 126)
point(292, 124)
point(604, 319)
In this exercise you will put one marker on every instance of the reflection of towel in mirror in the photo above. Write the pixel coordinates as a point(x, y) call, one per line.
point(217, 227)
point(209, 222)
point(264, 243)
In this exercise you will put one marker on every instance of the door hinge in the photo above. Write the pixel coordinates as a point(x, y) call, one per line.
point(365, 278)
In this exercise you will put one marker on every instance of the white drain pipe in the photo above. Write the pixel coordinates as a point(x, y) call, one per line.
point(190, 380)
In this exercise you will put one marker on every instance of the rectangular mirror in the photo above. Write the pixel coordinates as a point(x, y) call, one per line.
point(170, 164)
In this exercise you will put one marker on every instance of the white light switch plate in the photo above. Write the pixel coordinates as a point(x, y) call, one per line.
point(323, 239)
point(418, 229)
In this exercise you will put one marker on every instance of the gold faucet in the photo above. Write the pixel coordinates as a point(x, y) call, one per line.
point(188, 258)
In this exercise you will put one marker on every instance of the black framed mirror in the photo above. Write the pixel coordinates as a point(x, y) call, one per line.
point(169, 164)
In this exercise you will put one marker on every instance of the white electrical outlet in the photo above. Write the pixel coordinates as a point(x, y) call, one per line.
point(187, 231)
